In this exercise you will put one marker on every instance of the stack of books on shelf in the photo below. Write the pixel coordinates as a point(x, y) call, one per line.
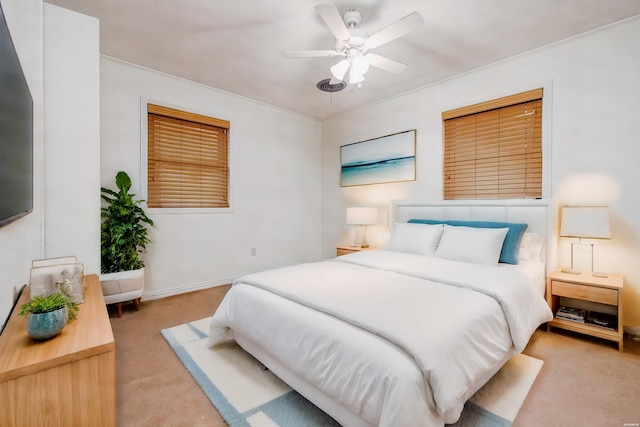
point(595, 318)
point(603, 320)
point(570, 313)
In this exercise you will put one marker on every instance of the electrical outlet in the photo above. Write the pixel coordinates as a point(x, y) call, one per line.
point(254, 252)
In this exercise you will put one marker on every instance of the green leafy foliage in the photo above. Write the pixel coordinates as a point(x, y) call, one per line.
point(124, 232)
point(53, 302)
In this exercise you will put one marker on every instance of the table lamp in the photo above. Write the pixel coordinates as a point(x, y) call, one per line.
point(585, 222)
point(361, 217)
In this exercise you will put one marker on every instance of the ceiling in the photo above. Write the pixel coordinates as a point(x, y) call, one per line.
point(237, 46)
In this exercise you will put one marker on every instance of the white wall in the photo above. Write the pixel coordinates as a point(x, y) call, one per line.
point(20, 240)
point(275, 182)
point(595, 88)
point(72, 136)
point(59, 52)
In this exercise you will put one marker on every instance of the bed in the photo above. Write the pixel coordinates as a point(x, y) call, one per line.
point(401, 336)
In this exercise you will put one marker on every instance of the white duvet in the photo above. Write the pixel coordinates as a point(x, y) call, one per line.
point(398, 339)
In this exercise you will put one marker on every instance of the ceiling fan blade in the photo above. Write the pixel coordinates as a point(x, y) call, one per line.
point(332, 18)
point(310, 53)
point(384, 63)
point(399, 28)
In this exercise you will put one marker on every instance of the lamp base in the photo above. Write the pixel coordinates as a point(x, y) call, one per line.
point(570, 271)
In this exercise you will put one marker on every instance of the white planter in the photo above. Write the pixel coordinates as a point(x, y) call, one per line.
point(122, 286)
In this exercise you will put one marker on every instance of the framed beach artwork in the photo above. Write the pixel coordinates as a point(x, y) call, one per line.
point(390, 158)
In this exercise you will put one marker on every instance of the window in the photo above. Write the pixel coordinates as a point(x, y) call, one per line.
point(493, 150)
point(187, 160)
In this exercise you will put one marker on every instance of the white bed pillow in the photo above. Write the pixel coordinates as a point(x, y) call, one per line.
point(470, 244)
point(531, 247)
point(420, 239)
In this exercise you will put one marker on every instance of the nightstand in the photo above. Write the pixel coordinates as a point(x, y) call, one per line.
point(343, 250)
point(604, 291)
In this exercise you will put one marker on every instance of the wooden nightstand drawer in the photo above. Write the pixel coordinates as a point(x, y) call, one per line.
point(585, 292)
point(344, 250)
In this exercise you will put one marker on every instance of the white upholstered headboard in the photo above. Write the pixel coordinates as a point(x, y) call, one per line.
point(540, 215)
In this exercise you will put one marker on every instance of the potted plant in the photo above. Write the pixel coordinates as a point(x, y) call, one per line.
point(47, 315)
point(124, 235)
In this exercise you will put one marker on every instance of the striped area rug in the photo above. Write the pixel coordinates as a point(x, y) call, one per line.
point(247, 395)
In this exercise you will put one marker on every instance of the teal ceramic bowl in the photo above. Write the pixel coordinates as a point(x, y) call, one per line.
point(42, 326)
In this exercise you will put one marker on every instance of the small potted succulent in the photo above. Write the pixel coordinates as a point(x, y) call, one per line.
point(47, 315)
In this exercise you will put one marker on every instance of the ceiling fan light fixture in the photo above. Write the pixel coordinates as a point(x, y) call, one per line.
point(340, 69)
point(359, 66)
point(355, 78)
point(354, 43)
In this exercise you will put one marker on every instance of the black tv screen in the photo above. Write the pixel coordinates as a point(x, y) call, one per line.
point(16, 133)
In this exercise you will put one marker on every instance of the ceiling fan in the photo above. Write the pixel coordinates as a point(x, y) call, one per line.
point(353, 43)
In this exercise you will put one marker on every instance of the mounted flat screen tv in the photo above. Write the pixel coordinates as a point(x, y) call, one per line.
point(16, 133)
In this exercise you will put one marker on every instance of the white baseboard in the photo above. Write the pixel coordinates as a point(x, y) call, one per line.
point(633, 332)
point(184, 289)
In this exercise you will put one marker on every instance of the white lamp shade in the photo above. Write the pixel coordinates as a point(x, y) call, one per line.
point(590, 222)
point(340, 69)
point(362, 216)
point(359, 66)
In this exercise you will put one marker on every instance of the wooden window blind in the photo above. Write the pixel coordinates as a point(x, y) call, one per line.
point(187, 160)
point(493, 150)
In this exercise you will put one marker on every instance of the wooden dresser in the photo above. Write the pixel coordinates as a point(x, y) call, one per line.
point(69, 380)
